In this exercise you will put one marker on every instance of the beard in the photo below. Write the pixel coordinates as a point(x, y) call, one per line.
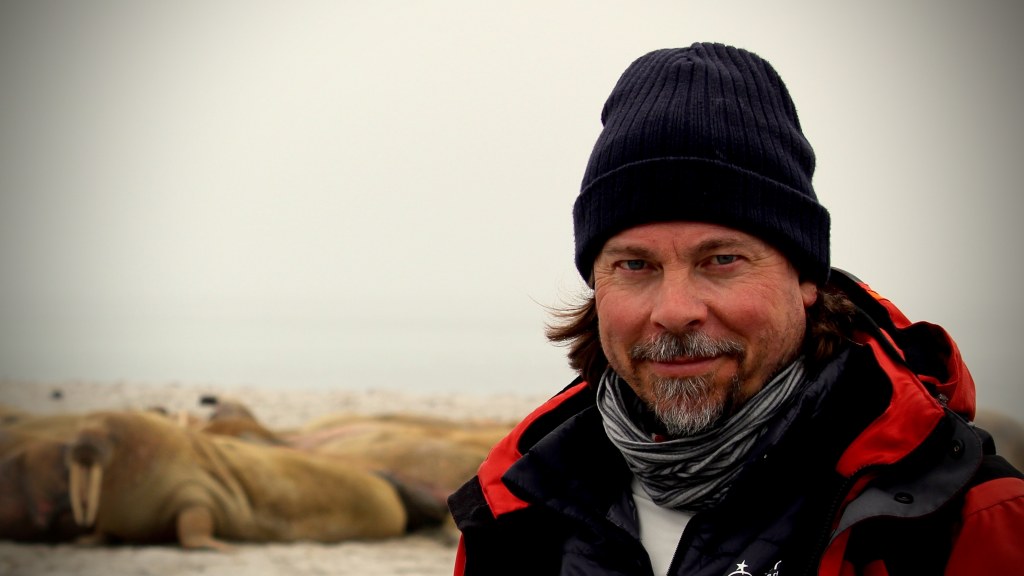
point(689, 406)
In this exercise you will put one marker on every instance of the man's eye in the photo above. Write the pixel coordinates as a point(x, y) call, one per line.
point(633, 264)
point(723, 259)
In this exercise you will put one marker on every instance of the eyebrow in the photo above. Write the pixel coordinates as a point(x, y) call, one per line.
point(625, 250)
point(709, 245)
point(714, 244)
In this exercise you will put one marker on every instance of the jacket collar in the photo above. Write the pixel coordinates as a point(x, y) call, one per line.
point(547, 417)
point(575, 469)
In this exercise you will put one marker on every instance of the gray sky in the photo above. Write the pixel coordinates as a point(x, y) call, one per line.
point(378, 194)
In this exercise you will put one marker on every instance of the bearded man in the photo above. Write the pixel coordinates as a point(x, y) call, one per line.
point(742, 407)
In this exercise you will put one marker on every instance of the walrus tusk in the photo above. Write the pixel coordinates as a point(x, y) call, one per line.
point(85, 512)
point(75, 490)
point(93, 503)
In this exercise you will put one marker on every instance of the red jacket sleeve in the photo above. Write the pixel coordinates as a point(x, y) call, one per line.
point(991, 537)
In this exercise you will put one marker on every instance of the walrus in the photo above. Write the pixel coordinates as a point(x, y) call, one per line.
point(61, 426)
point(436, 464)
point(232, 418)
point(436, 454)
point(34, 501)
point(481, 434)
point(141, 478)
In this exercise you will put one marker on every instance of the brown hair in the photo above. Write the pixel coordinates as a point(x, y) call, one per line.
point(829, 323)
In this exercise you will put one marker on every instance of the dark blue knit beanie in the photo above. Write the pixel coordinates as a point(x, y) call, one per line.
point(709, 134)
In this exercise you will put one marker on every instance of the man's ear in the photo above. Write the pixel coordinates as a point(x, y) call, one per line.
point(808, 293)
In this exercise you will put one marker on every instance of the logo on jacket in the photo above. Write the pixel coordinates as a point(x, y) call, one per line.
point(741, 570)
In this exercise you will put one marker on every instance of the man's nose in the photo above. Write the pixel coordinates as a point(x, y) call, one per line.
point(679, 304)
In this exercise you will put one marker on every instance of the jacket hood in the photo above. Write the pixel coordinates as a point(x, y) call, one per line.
point(927, 349)
point(926, 372)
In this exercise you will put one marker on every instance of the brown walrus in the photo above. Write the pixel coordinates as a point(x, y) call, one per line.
point(34, 501)
point(141, 478)
point(482, 434)
point(232, 418)
point(437, 454)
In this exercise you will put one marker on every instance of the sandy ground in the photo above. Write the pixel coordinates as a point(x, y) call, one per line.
point(420, 554)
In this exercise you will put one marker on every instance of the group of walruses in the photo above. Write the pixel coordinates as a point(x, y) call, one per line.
point(147, 476)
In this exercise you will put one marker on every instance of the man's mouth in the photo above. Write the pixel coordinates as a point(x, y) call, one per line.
point(685, 366)
point(690, 347)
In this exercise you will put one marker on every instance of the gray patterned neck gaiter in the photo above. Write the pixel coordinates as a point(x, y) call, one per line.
point(693, 472)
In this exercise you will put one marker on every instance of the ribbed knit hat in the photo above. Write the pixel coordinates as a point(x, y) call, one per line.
point(708, 134)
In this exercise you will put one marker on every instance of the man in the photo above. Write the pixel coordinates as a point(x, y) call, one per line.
point(743, 408)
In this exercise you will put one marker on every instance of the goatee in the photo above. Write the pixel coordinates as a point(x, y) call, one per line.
point(688, 406)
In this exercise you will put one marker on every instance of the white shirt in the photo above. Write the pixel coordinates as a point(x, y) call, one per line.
point(660, 528)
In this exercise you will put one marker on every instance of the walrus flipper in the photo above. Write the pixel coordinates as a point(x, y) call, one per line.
point(195, 529)
point(422, 508)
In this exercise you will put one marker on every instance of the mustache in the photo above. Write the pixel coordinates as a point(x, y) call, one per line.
point(668, 346)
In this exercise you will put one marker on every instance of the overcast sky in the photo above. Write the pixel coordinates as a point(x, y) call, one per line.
point(379, 193)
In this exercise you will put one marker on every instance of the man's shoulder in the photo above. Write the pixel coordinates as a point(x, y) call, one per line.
point(996, 483)
point(487, 491)
point(573, 399)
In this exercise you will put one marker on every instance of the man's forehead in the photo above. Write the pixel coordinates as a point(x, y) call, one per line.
point(678, 232)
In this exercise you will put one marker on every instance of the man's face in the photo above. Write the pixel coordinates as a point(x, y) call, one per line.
point(697, 317)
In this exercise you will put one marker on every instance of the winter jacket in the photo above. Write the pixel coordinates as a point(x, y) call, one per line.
point(873, 470)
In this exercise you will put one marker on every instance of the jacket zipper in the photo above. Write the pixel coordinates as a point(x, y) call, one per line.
point(683, 544)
